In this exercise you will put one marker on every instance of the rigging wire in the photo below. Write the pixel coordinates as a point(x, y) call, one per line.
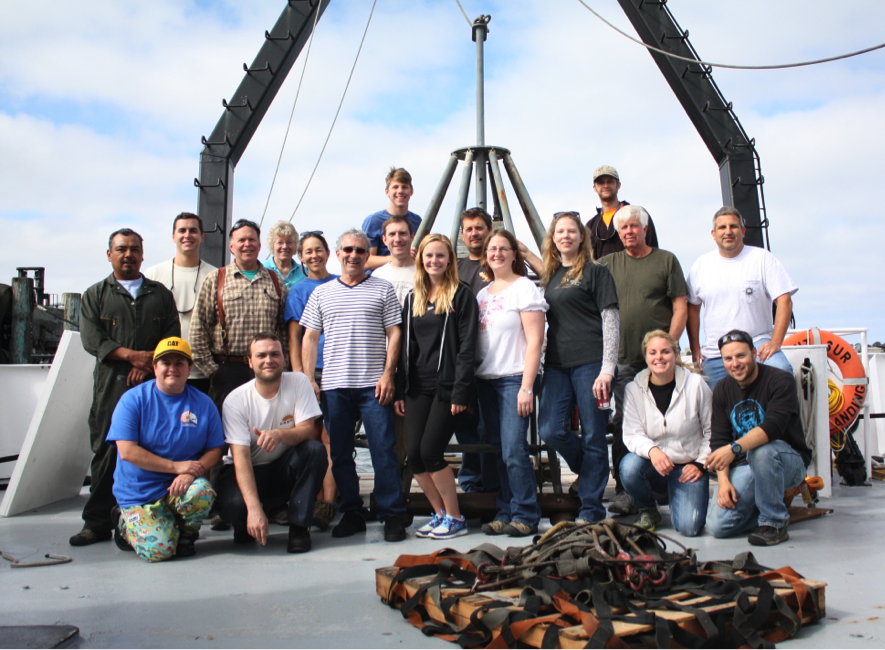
point(338, 112)
point(464, 12)
point(727, 65)
point(291, 114)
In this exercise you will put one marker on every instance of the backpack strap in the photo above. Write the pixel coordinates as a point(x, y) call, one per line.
point(219, 294)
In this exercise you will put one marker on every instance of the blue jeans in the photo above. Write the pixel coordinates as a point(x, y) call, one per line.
point(343, 406)
point(714, 369)
point(773, 468)
point(479, 472)
point(587, 455)
point(506, 430)
point(688, 501)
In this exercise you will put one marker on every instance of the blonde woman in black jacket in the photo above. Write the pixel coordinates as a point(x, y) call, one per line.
point(440, 320)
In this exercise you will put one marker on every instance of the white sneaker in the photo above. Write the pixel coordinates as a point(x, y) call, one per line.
point(450, 527)
point(431, 525)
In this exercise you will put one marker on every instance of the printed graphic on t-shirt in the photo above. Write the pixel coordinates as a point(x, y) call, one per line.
point(745, 416)
point(189, 419)
point(488, 309)
point(287, 421)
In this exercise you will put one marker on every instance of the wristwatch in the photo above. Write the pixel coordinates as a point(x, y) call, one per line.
point(736, 449)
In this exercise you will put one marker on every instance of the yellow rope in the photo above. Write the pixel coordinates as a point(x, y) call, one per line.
point(835, 402)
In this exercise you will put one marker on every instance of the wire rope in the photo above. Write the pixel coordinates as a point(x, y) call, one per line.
point(464, 12)
point(728, 65)
point(338, 112)
point(291, 114)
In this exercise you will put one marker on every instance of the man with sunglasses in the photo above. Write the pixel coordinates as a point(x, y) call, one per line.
point(235, 303)
point(737, 285)
point(360, 317)
point(758, 445)
point(604, 238)
point(183, 275)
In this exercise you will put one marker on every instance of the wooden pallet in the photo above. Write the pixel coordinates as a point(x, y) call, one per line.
point(576, 637)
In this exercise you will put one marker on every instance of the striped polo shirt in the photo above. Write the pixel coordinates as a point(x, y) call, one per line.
point(354, 320)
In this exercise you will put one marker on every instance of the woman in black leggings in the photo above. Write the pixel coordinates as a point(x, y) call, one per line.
point(440, 320)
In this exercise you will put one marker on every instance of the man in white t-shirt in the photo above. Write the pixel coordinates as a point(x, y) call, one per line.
point(737, 285)
point(183, 275)
point(273, 458)
point(400, 270)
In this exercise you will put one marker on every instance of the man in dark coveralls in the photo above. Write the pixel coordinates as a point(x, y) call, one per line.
point(122, 319)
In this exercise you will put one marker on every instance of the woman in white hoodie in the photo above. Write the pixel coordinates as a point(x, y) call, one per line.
point(667, 413)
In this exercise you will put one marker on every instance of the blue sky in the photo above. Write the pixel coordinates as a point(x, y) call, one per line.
point(102, 105)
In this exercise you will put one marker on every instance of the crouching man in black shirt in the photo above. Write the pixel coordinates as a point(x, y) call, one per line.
point(758, 445)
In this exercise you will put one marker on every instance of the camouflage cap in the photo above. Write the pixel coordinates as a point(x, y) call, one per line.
point(606, 170)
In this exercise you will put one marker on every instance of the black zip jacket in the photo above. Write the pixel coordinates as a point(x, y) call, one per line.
point(604, 240)
point(458, 348)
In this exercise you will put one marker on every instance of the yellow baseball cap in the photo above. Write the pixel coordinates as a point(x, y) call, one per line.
point(174, 345)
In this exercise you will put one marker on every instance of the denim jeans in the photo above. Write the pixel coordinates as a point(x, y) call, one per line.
point(688, 501)
point(773, 468)
point(344, 405)
point(714, 369)
point(587, 455)
point(506, 430)
point(479, 472)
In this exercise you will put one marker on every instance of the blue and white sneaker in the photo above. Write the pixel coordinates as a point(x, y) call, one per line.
point(450, 527)
point(431, 525)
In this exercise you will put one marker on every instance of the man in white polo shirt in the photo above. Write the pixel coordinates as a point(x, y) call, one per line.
point(360, 317)
point(273, 459)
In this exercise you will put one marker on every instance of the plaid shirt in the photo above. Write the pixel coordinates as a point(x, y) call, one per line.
point(249, 308)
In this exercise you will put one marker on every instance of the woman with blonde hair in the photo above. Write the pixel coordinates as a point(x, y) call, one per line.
point(667, 411)
point(511, 335)
point(581, 359)
point(435, 376)
point(281, 243)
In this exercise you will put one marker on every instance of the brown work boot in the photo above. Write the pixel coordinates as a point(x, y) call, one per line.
point(323, 514)
point(88, 536)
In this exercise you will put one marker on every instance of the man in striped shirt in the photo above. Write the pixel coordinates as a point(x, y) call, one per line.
point(360, 317)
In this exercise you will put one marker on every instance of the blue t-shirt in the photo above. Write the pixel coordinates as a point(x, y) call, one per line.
point(295, 306)
point(175, 427)
point(295, 276)
point(372, 226)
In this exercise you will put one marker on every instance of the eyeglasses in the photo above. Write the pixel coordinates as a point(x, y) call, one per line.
point(567, 213)
point(241, 223)
point(359, 250)
point(503, 249)
point(736, 337)
point(311, 233)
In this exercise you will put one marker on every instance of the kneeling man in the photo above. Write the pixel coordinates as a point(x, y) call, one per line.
point(758, 442)
point(273, 459)
point(168, 435)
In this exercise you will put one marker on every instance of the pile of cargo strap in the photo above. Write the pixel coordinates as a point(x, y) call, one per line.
point(598, 585)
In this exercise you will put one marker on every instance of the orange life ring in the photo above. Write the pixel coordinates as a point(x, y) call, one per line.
point(854, 381)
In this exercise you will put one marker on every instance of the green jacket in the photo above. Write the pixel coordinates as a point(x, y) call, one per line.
point(109, 319)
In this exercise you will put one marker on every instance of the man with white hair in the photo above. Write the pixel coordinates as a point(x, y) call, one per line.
point(360, 317)
point(651, 296)
point(604, 239)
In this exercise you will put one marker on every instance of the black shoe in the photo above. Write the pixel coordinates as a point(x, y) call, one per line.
point(185, 546)
point(88, 536)
point(351, 523)
point(769, 536)
point(243, 537)
point(217, 523)
point(622, 504)
point(394, 531)
point(299, 539)
point(120, 538)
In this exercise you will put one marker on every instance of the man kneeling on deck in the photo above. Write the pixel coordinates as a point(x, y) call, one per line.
point(168, 435)
point(273, 459)
point(758, 442)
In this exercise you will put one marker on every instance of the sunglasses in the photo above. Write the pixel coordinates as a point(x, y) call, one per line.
point(359, 250)
point(311, 233)
point(570, 213)
point(736, 337)
point(242, 223)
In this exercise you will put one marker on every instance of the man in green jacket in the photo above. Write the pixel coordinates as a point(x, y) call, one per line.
point(122, 319)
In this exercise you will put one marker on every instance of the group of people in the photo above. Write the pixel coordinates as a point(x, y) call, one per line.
point(235, 392)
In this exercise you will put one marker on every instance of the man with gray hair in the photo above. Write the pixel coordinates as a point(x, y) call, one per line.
point(360, 317)
point(737, 285)
point(604, 239)
point(651, 296)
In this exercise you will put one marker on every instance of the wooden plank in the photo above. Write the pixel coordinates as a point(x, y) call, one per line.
point(576, 636)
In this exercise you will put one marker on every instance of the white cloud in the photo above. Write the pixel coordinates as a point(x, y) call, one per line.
point(103, 105)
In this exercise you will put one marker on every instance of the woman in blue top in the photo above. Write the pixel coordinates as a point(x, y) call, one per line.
point(313, 251)
point(281, 242)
